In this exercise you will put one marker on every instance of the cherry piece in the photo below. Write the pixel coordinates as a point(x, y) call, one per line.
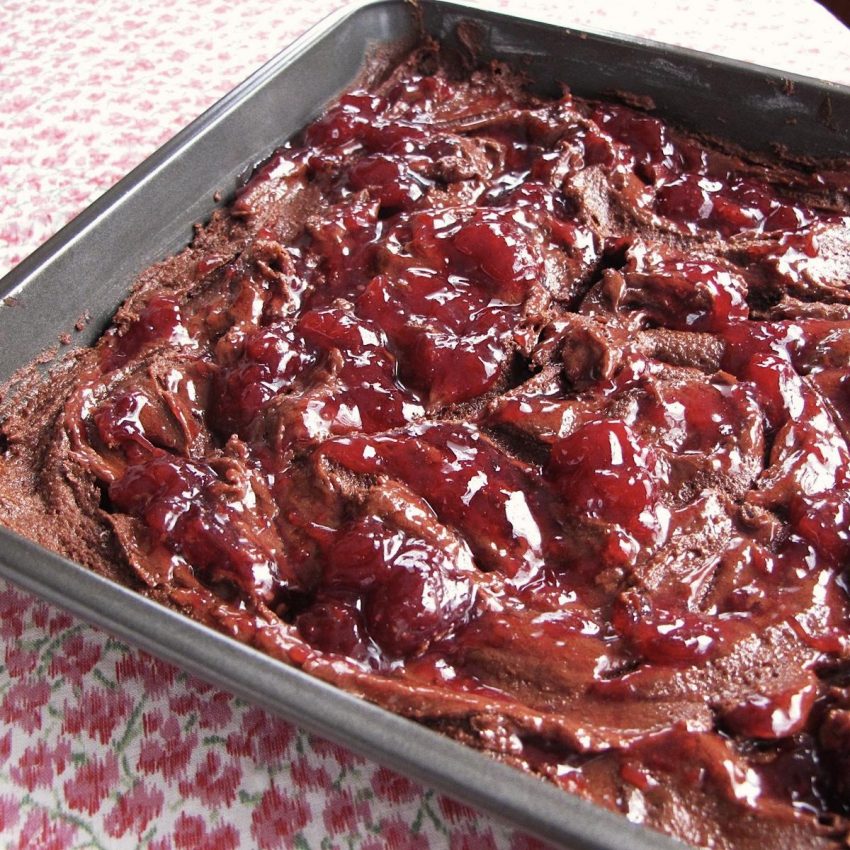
point(687, 295)
point(603, 470)
point(181, 503)
point(411, 591)
point(158, 322)
point(388, 180)
point(824, 522)
point(665, 637)
point(416, 603)
point(270, 360)
point(472, 486)
point(775, 716)
point(347, 121)
point(333, 625)
point(686, 199)
point(501, 252)
point(645, 136)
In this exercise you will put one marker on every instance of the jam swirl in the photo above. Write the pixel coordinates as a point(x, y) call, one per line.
point(530, 422)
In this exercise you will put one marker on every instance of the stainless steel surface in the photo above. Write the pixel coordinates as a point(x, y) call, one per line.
point(91, 263)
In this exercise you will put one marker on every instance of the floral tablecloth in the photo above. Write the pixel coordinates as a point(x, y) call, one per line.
point(101, 745)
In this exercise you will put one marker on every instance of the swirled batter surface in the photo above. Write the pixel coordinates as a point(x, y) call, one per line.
point(525, 418)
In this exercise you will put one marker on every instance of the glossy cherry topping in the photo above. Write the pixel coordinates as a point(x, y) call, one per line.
point(603, 471)
point(525, 418)
point(158, 323)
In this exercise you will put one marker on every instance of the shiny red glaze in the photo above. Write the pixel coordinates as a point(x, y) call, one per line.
point(778, 716)
point(423, 91)
point(686, 199)
point(824, 522)
point(368, 395)
point(689, 295)
point(451, 342)
point(119, 423)
point(687, 191)
point(349, 120)
point(665, 637)
point(158, 322)
point(269, 361)
point(160, 491)
point(177, 500)
point(729, 208)
point(333, 625)
point(645, 136)
point(388, 180)
point(597, 149)
point(410, 592)
point(471, 485)
point(360, 555)
point(328, 328)
point(498, 250)
point(343, 241)
point(778, 385)
point(416, 604)
point(744, 339)
point(604, 470)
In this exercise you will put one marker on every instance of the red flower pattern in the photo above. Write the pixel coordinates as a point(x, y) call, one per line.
point(215, 711)
point(262, 737)
point(396, 834)
point(38, 765)
point(98, 713)
point(393, 787)
point(213, 783)
point(453, 811)
point(307, 774)
point(277, 818)
point(5, 747)
point(169, 755)
point(40, 613)
point(343, 814)
point(9, 812)
point(471, 840)
point(75, 658)
point(134, 810)
point(41, 832)
point(20, 661)
point(60, 621)
point(190, 833)
point(92, 783)
point(156, 677)
point(12, 604)
point(330, 750)
point(22, 704)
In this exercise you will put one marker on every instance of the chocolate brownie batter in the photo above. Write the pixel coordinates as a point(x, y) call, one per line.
point(524, 418)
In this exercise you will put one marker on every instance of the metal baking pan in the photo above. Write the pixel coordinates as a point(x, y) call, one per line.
point(90, 265)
